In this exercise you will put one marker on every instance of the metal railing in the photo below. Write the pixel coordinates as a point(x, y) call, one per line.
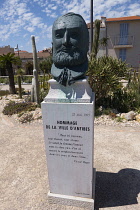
point(126, 41)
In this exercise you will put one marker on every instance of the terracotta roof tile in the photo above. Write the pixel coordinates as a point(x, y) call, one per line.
point(123, 18)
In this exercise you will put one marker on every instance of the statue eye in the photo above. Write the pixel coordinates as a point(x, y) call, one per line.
point(74, 35)
point(58, 35)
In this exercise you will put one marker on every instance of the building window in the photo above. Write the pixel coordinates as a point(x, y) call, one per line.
point(124, 33)
point(122, 54)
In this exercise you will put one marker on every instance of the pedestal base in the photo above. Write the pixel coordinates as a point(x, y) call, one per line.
point(86, 203)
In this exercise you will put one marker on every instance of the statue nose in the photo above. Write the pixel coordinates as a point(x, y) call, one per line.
point(66, 39)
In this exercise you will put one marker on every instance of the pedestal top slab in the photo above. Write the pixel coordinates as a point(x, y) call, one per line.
point(79, 92)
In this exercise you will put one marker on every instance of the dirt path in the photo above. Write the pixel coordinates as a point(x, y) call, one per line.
point(23, 171)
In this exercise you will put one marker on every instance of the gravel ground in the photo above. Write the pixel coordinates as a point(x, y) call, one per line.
point(23, 170)
point(6, 87)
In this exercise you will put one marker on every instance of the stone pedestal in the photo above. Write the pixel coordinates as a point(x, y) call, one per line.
point(68, 116)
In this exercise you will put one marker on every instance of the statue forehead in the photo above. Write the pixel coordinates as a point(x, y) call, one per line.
point(68, 22)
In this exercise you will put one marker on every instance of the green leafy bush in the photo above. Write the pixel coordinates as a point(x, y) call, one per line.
point(105, 74)
point(4, 92)
point(17, 107)
point(28, 117)
point(128, 98)
point(44, 86)
point(27, 79)
point(24, 79)
point(119, 119)
point(4, 80)
point(45, 65)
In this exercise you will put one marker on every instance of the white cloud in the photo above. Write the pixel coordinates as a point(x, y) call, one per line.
point(54, 15)
point(49, 32)
point(21, 9)
point(30, 28)
point(41, 3)
point(27, 16)
point(36, 21)
point(37, 38)
point(25, 35)
point(18, 16)
point(49, 10)
point(54, 8)
point(134, 9)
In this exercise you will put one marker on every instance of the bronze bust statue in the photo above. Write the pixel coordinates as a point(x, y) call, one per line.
point(70, 46)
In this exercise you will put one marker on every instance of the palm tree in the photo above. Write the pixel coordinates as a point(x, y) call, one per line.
point(7, 61)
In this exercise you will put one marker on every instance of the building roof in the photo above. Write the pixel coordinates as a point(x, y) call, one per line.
point(27, 55)
point(137, 17)
point(123, 18)
point(21, 51)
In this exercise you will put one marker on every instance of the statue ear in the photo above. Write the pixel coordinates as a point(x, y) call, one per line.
point(52, 47)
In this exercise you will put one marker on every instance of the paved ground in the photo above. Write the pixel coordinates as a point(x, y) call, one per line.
point(6, 87)
point(23, 170)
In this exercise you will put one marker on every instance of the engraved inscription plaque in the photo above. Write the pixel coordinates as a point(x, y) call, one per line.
point(68, 132)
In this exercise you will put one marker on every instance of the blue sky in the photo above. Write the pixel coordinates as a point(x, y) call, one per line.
point(19, 19)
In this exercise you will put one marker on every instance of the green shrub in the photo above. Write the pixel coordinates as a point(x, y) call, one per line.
point(4, 92)
point(17, 107)
point(24, 79)
point(98, 112)
point(127, 98)
point(27, 79)
point(112, 115)
point(45, 65)
point(4, 80)
point(107, 111)
point(119, 119)
point(44, 86)
point(28, 117)
point(105, 74)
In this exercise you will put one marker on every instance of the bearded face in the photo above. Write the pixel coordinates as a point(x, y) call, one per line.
point(72, 58)
point(70, 41)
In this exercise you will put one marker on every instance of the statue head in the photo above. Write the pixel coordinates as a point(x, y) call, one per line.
point(70, 46)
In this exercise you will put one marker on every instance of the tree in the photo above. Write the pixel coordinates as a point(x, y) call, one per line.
point(97, 43)
point(7, 61)
point(45, 65)
point(2, 70)
point(95, 46)
point(20, 73)
point(29, 67)
point(103, 41)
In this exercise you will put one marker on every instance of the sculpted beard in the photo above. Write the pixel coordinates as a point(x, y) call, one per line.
point(68, 59)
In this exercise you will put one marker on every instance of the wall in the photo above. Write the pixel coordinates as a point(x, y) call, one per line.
point(6, 49)
point(132, 53)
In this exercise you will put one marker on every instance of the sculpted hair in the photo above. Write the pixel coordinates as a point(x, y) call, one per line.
point(70, 14)
point(73, 14)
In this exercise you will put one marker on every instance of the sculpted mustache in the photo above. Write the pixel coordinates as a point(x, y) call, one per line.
point(66, 48)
